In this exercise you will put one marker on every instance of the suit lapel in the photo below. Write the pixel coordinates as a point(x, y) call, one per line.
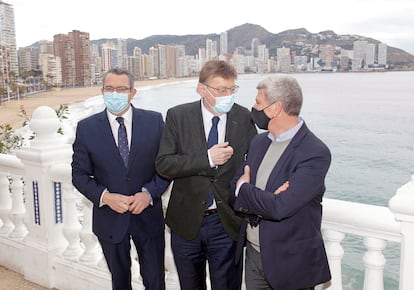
point(136, 131)
point(285, 155)
point(109, 138)
point(257, 159)
point(231, 127)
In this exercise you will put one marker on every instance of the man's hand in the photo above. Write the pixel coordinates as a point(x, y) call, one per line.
point(281, 188)
point(117, 202)
point(245, 178)
point(140, 201)
point(221, 153)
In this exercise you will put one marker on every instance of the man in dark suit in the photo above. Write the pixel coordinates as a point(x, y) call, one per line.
point(280, 189)
point(203, 225)
point(113, 166)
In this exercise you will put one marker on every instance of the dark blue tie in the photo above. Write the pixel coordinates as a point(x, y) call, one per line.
point(213, 135)
point(123, 140)
point(212, 140)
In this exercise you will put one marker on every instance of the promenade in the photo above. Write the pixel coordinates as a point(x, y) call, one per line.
point(10, 280)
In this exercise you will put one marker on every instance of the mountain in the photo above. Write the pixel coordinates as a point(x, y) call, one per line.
point(298, 40)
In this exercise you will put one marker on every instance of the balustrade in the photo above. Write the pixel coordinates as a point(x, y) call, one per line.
point(6, 225)
point(47, 224)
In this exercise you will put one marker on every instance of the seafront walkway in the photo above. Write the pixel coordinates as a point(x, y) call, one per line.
point(46, 236)
point(10, 280)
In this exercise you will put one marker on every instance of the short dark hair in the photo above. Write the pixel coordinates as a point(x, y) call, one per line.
point(120, 71)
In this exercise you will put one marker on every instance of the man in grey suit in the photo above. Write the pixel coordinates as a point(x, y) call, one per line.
point(204, 227)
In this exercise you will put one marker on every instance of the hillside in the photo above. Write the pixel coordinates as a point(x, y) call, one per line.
point(296, 39)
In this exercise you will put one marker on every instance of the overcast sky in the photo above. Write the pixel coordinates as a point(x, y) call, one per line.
point(389, 21)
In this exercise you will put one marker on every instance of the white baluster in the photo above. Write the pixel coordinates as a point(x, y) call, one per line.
point(5, 206)
point(71, 225)
point(102, 263)
point(136, 276)
point(335, 253)
point(402, 205)
point(18, 209)
point(93, 251)
point(374, 262)
point(172, 280)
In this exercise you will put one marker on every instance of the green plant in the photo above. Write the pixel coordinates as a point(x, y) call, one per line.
point(61, 113)
point(8, 140)
point(23, 114)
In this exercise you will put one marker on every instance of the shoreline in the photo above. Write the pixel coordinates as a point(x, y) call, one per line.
point(10, 111)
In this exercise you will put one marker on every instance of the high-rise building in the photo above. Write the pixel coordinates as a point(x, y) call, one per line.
point(382, 54)
point(170, 54)
point(255, 47)
point(96, 64)
point(370, 54)
point(8, 34)
point(81, 46)
point(138, 68)
point(45, 46)
point(28, 59)
point(360, 50)
point(121, 51)
point(327, 54)
point(211, 49)
point(109, 56)
point(51, 68)
point(74, 50)
point(8, 54)
point(223, 43)
point(159, 56)
point(283, 59)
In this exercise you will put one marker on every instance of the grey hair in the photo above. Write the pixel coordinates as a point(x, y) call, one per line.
point(119, 72)
point(283, 88)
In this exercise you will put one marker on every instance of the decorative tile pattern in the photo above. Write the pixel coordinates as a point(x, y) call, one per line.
point(57, 186)
point(36, 203)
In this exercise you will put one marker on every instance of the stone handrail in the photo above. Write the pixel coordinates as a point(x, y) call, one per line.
point(46, 232)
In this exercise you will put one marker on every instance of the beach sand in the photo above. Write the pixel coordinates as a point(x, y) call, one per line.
point(10, 110)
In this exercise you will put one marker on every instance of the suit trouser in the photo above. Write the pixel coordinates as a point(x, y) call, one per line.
point(151, 260)
point(254, 276)
point(211, 244)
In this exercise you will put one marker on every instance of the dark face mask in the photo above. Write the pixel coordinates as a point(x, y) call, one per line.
point(260, 118)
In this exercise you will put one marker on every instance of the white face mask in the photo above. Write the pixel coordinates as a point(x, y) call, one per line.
point(116, 102)
point(223, 104)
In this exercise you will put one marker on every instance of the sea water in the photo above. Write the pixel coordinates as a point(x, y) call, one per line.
point(367, 121)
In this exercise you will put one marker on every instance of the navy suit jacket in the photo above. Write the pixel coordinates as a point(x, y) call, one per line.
point(97, 165)
point(291, 245)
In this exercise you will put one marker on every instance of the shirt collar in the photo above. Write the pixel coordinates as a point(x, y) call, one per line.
point(127, 116)
point(289, 134)
point(207, 115)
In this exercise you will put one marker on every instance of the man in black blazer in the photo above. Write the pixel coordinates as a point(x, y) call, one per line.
point(126, 193)
point(203, 226)
point(280, 189)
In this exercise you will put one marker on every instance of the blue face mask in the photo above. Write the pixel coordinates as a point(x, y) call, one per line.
point(115, 102)
point(224, 104)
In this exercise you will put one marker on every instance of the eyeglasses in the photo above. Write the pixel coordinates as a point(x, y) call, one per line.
point(110, 89)
point(223, 91)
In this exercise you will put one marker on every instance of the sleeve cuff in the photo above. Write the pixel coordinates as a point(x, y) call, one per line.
point(144, 189)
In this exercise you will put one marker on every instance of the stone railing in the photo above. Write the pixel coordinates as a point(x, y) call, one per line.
point(46, 232)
